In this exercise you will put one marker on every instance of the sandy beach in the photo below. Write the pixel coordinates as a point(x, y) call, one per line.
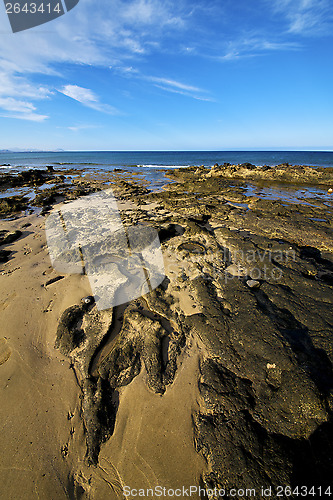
point(220, 377)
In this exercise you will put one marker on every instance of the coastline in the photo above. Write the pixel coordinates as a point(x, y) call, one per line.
point(247, 380)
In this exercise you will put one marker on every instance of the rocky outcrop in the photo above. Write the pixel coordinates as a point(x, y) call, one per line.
point(295, 174)
point(145, 337)
point(249, 283)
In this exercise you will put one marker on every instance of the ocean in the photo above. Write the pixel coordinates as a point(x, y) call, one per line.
point(147, 164)
point(108, 160)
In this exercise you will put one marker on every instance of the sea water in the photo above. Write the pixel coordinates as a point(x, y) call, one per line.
point(108, 160)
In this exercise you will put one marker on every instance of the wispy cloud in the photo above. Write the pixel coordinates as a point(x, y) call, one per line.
point(166, 84)
point(173, 84)
point(112, 32)
point(29, 116)
point(16, 94)
point(19, 109)
point(87, 97)
point(306, 17)
point(187, 94)
point(118, 34)
point(77, 128)
point(255, 46)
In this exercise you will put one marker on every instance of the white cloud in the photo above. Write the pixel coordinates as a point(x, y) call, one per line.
point(87, 97)
point(176, 87)
point(116, 33)
point(306, 17)
point(19, 109)
point(33, 117)
point(77, 128)
point(173, 83)
point(175, 91)
point(166, 84)
point(99, 33)
point(12, 87)
point(255, 46)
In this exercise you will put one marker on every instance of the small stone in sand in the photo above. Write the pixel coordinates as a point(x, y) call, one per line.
point(88, 300)
point(253, 284)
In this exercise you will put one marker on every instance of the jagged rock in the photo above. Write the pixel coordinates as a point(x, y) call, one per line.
point(13, 204)
point(69, 336)
point(7, 237)
point(266, 381)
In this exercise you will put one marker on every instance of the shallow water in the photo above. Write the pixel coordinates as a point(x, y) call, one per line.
point(287, 193)
point(27, 192)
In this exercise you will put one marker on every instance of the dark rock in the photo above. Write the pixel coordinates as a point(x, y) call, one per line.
point(69, 335)
point(7, 237)
point(4, 255)
point(170, 231)
point(13, 204)
point(32, 177)
point(265, 353)
point(249, 166)
point(45, 198)
point(54, 280)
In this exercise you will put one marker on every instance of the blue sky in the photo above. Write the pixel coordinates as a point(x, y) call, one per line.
point(171, 75)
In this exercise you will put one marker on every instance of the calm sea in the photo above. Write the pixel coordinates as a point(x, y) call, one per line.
point(147, 163)
point(107, 160)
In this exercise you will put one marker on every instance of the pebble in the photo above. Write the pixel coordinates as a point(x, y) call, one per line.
point(253, 284)
point(88, 300)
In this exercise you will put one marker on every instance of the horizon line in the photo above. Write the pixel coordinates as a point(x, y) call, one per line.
point(270, 150)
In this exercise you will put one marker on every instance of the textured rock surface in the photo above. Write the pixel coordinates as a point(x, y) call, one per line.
point(266, 351)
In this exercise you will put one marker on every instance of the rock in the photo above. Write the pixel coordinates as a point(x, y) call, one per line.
point(4, 255)
point(54, 280)
point(88, 300)
point(7, 237)
point(253, 284)
point(69, 336)
point(13, 204)
point(295, 174)
point(248, 166)
point(265, 374)
point(32, 177)
point(236, 270)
